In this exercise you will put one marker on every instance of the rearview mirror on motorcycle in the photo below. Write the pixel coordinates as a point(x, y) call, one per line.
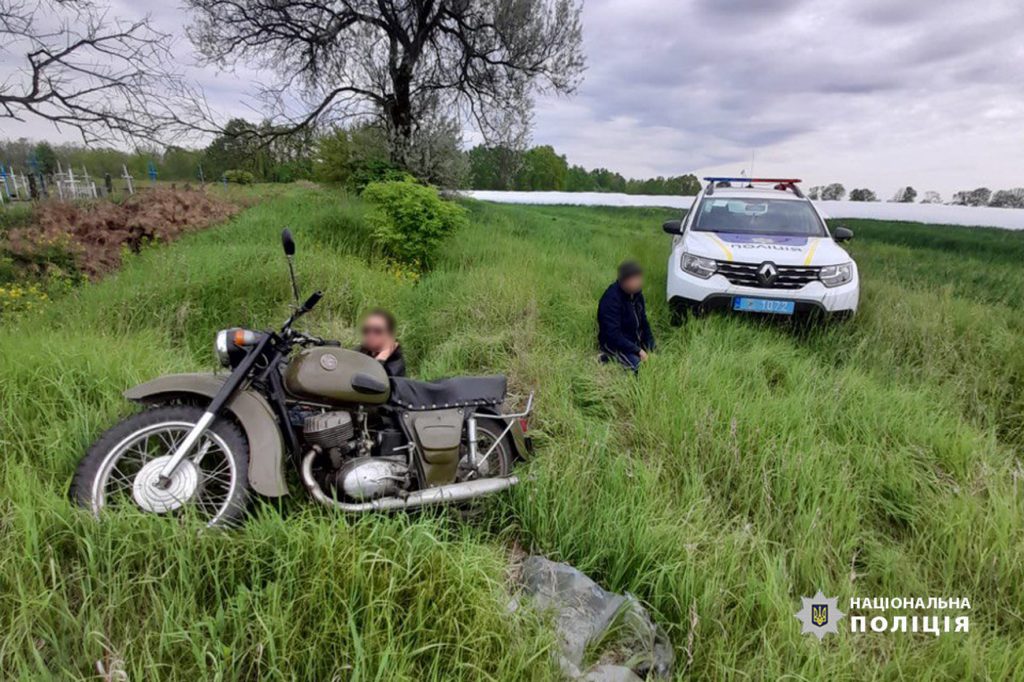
point(287, 242)
point(289, 252)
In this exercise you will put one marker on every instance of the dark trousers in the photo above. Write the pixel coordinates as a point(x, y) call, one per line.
point(628, 360)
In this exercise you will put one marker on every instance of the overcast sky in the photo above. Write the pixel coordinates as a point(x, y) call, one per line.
point(873, 93)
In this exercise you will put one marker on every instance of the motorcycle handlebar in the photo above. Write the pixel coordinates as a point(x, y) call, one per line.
point(303, 309)
point(312, 301)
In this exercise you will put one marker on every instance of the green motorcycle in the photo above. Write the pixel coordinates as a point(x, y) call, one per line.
point(359, 441)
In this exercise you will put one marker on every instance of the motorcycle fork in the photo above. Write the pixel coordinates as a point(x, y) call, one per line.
point(226, 392)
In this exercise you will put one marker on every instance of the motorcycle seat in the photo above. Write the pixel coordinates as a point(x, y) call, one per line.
point(447, 393)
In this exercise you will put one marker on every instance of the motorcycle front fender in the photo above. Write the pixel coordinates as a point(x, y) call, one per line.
point(266, 450)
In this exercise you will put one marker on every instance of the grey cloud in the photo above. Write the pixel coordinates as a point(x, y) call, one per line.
point(851, 89)
point(747, 9)
point(730, 75)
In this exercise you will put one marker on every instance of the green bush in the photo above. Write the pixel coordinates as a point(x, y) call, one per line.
point(410, 221)
point(240, 177)
point(375, 171)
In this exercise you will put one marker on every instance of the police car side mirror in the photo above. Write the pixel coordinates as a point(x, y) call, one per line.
point(842, 234)
point(673, 226)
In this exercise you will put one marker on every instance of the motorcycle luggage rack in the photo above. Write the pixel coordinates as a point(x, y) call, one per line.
point(510, 418)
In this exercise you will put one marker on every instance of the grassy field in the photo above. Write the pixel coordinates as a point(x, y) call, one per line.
point(747, 466)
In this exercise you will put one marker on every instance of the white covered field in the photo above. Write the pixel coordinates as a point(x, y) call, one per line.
point(939, 214)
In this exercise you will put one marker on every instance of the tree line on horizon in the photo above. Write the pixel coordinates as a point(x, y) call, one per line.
point(541, 168)
point(351, 156)
point(981, 196)
point(357, 155)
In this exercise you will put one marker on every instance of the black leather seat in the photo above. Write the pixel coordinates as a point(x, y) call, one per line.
point(455, 392)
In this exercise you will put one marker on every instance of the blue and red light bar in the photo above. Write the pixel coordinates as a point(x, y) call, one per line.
point(778, 181)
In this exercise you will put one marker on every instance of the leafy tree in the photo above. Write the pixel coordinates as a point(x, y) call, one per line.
point(16, 152)
point(46, 158)
point(814, 193)
point(905, 195)
point(931, 197)
point(863, 195)
point(833, 192)
point(689, 185)
point(235, 149)
point(494, 168)
point(179, 163)
point(1008, 198)
point(543, 170)
point(608, 181)
point(346, 152)
point(973, 197)
point(577, 179)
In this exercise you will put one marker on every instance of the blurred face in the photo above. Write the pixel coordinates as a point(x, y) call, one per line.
point(632, 285)
point(375, 333)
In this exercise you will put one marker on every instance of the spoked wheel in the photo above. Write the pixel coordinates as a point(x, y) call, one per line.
point(498, 463)
point(122, 469)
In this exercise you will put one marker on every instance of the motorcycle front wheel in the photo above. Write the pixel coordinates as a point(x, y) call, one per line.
point(122, 468)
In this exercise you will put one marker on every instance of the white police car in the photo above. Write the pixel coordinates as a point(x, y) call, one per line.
point(759, 246)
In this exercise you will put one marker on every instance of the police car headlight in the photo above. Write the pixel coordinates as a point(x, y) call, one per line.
point(697, 266)
point(836, 275)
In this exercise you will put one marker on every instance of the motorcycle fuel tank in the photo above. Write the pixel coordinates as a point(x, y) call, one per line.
point(336, 375)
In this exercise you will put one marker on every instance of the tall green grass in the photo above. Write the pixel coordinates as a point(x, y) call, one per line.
point(749, 464)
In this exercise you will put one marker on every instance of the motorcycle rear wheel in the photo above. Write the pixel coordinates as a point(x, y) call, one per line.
point(122, 467)
point(499, 463)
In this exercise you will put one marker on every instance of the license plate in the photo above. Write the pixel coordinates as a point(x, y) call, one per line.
point(763, 305)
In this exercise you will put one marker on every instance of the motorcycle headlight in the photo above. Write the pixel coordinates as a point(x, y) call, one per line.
point(836, 275)
point(697, 266)
point(230, 344)
point(222, 348)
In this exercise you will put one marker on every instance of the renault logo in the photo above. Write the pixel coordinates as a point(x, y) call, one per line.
point(767, 273)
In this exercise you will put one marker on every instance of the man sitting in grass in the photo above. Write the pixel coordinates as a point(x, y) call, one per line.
point(623, 330)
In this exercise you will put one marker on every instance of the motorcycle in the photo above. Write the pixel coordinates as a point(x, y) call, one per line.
point(359, 440)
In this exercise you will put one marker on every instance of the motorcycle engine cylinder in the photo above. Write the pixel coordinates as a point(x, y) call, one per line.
point(329, 430)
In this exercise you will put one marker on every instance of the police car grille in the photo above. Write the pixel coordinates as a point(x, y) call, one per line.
point(745, 274)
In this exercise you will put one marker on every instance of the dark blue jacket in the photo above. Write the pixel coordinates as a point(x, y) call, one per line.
point(622, 325)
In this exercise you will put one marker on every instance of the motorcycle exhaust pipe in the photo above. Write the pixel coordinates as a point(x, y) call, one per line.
point(453, 492)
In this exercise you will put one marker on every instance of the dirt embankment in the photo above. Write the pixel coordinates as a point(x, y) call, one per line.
point(89, 238)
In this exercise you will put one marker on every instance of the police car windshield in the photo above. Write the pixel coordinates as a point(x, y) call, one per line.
point(758, 216)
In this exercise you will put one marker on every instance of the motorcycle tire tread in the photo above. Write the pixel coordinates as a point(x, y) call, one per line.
point(81, 485)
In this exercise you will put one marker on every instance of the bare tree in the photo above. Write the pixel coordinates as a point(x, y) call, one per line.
point(66, 62)
point(408, 63)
